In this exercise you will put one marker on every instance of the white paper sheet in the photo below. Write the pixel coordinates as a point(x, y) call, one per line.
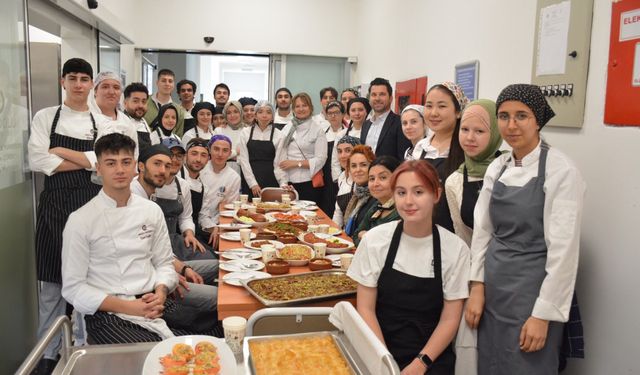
point(553, 33)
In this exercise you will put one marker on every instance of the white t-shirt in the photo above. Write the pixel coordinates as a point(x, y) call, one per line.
point(223, 187)
point(414, 257)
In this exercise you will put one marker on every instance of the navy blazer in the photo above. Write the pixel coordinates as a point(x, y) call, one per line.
point(392, 141)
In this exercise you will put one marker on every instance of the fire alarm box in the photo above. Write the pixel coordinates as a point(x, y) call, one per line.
point(408, 92)
point(623, 70)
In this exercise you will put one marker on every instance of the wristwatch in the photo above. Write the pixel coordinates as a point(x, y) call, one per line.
point(183, 271)
point(299, 164)
point(425, 359)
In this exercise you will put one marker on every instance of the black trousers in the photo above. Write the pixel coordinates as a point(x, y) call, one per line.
point(307, 192)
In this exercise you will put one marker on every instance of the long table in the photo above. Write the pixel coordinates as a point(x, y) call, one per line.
point(236, 301)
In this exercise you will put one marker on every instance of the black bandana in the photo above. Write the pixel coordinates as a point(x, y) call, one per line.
point(532, 97)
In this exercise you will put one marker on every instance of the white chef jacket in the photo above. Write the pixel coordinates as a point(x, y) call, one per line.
point(277, 119)
point(414, 257)
point(259, 135)
point(223, 187)
point(345, 185)
point(336, 169)
point(189, 135)
point(118, 251)
point(454, 189)
point(194, 183)
point(425, 145)
point(170, 191)
point(71, 124)
point(564, 190)
point(156, 137)
point(187, 112)
point(310, 138)
point(234, 135)
point(321, 120)
point(375, 129)
point(137, 189)
point(141, 125)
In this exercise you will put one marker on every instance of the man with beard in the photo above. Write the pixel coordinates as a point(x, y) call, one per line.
point(135, 106)
point(186, 90)
point(283, 114)
point(221, 94)
point(165, 85)
point(196, 277)
point(196, 159)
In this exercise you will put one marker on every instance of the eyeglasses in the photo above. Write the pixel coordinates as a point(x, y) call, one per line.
point(518, 118)
point(334, 113)
point(178, 157)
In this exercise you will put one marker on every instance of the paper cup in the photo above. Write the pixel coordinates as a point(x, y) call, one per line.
point(234, 330)
point(252, 210)
point(244, 198)
point(245, 235)
point(321, 249)
point(323, 228)
point(285, 198)
point(237, 205)
point(295, 210)
point(311, 218)
point(257, 200)
point(268, 253)
point(312, 228)
point(345, 261)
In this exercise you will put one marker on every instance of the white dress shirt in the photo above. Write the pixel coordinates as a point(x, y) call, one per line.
point(336, 169)
point(454, 189)
point(564, 191)
point(414, 257)
point(375, 129)
point(223, 187)
point(259, 135)
point(117, 251)
point(170, 191)
point(71, 123)
point(189, 135)
point(310, 138)
point(425, 145)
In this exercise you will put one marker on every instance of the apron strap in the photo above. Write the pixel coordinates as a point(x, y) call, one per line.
point(179, 198)
point(393, 247)
point(437, 260)
point(54, 123)
point(197, 132)
point(542, 163)
point(273, 129)
point(423, 154)
point(251, 132)
point(159, 134)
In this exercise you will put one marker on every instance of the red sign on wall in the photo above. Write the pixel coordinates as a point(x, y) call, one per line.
point(623, 78)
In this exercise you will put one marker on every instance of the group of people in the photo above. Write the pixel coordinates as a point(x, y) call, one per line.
point(467, 247)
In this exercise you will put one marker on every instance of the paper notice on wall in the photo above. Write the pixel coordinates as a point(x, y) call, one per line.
point(635, 82)
point(553, 35)
point(630, 25)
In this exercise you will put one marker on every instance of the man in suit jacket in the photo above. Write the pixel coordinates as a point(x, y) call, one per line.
point(383, 130)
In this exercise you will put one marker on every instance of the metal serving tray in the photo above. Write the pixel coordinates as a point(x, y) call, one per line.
point(293, 302)
point(352, 362)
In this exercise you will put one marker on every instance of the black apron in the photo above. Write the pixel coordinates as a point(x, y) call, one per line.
point(470, 192)
point(144, 140)
point(408, 308)
point(64, 192)
point(197, 130)
point(196, 204)
point(172, 209)
point(328, 203)
point(261, 157)
point(442, 215)
point(343, 199)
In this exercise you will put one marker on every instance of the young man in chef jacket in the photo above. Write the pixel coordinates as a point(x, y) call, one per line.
point(221, 181)
point(117, 263)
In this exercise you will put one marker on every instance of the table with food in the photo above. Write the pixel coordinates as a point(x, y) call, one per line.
point(280, 254)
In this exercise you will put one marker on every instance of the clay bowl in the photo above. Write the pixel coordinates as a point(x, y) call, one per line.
point(319, 264)
point(278, 267)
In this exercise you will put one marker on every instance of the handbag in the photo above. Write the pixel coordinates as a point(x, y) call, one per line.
point(317, 181)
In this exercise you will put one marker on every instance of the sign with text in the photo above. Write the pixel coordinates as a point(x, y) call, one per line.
point(467, 75)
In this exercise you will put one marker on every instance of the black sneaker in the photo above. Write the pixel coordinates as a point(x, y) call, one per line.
point(45, 366)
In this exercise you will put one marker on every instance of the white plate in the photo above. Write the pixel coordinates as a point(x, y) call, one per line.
point(308, 208)
point(256, 224)
point(234, 236)
point(241, 253)
point(330, 250)
point(302, 202)
point(334, 231)
point(335, 259)
point(241, 265)
point(152, 366)
point(228, 213)
point(234, 278)
point(229, 206)
point(233, 226)
point(277, 244)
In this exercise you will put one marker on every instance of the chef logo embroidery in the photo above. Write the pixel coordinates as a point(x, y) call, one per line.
point(221, 191)
point(145, 232)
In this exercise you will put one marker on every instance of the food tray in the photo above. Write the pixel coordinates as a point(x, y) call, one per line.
point(293, 302)
point(342, 348)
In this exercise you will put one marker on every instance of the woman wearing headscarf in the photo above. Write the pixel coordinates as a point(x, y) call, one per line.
point(202, 113)
point(524, 251)
point(358, 168)
point(335, 113)
point(233, 116)
point(413, 126)
point(304, 151)
point(344, 149)
point(259, 148)
point(357, 109)
point(443, 107)
point(164, 124)
point(384, 210)
point(480, 139)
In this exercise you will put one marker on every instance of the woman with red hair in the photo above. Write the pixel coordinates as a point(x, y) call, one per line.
point(413, 276)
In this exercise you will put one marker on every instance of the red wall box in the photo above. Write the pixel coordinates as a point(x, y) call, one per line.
point(622, 103)
point(410, 92)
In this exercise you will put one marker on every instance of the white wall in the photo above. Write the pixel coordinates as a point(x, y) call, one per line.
point(500, 34)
